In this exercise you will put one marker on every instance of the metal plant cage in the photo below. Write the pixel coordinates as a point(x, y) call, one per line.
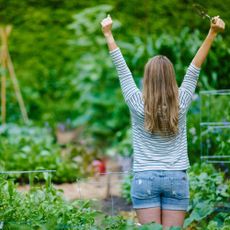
point(215, 126)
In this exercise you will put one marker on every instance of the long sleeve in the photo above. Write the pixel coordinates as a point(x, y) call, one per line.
point(188, 85)
point(128, 85)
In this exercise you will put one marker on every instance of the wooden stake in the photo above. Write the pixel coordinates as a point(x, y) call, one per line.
point(108, 192)
point(3, 79)
point(7, 63)
point(3, 94)
point(17, 89)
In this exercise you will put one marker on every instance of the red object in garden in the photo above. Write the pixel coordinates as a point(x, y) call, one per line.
point(99, 166)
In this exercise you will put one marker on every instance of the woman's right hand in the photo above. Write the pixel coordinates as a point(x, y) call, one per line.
point(106, 25)
point(217, 25)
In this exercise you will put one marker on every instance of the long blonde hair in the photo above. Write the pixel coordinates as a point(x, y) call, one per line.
point(160, 94)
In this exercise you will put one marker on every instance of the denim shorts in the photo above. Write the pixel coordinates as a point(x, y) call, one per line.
point(167, 189)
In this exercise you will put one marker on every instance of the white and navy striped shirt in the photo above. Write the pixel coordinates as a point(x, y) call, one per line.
point(152, 151)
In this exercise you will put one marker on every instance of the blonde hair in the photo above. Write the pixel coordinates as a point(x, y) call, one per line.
point(160, 94)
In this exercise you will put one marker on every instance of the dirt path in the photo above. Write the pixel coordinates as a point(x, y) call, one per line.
point(101, 187)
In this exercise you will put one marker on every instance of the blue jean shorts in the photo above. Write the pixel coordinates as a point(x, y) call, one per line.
point(167, 189)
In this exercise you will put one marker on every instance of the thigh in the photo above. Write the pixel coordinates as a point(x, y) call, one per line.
point(147, 215)
point(175, 200)
point(173, 218)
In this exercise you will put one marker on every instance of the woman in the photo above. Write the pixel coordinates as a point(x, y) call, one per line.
point(160, 187)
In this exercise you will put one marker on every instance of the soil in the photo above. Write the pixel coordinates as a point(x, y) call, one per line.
point(114, 205)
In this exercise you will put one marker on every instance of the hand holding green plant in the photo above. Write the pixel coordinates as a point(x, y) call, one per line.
point(217, 25)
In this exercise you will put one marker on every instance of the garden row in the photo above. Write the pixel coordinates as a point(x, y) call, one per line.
point(44, 207)
point(32, 148)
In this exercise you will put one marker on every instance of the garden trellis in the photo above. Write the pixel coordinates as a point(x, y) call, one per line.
point(215, 126)
point(6, 63)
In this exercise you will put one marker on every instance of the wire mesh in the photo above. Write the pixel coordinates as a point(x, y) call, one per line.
point(215, 126)
point(26, 172)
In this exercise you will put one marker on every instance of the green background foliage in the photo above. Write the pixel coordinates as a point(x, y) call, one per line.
point(45, 62)
point(66, 74)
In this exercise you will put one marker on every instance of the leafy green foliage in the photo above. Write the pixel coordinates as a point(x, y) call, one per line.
point(208, 193)
point(42, 207)
point(122, 144)
point(31, 148)
point(126, 187)
point(215, 107)
point(65, 73)
point(100, 101)
point(45, 208)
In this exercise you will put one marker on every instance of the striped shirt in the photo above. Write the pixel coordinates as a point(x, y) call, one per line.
point(152, 151)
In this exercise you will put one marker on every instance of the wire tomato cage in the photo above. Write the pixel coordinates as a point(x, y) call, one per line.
point(215, 126)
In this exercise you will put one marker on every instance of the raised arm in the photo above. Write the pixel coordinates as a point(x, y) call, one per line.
point(217, 25)
point(189, 83)
point(128, 85)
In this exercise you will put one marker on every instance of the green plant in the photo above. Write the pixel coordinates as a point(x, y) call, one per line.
point(126, 187)
point(32, 148)
point(45, 208)
point(40, 207)
point(208, 190)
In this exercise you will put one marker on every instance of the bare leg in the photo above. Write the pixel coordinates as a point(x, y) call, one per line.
point(147, 215)
point(172, 218)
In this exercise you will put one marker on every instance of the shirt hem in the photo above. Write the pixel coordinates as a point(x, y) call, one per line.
point(160, 168)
